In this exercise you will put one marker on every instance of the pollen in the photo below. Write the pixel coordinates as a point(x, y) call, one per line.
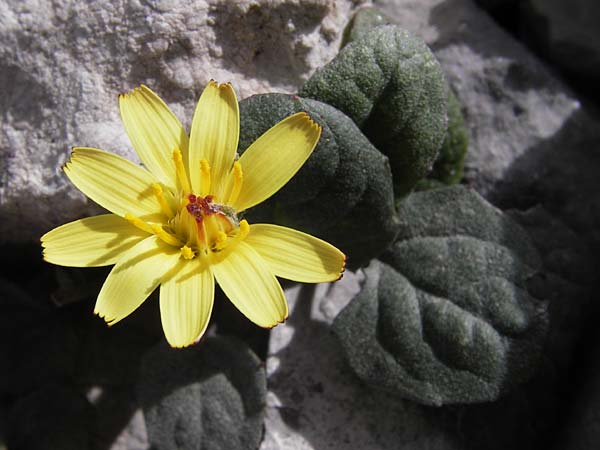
point(238, 179)
point(160, 196)
point(205, 177)
point(187, 252)
point(180, 170)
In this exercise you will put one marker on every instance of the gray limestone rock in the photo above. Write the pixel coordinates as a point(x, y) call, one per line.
point(567, 34)
point(38, 344)
point(210, 396)
point(582, 418)
point(525, 126)
point(315, 402)
point(63, 64)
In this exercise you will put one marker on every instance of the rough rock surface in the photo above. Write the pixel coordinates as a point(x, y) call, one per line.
point(518, 113)
point(62, 66)
point(567, 34)
point(315, 401)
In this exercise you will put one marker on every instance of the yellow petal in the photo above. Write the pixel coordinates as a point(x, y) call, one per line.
point(114, 183)
point(214, 135)
point(295, 255)
point(252, 288)
point(90, 242)
point(186, 302)
point(275, 157)
point(154, 132)
point(137, 273)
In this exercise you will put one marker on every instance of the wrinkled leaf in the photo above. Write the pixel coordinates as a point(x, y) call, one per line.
point(447, 317)
point(363, 21)
point(209, 396)
point(342, 194)
point(390, 84)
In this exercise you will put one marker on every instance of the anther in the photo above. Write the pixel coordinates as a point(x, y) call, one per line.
point(187, 252)
point(244, 230)
point(160, 196)
point(139, 223)
point(238, 179)
point(220, 241)
point(204, 177)
point(166, 237)
point(180, 169)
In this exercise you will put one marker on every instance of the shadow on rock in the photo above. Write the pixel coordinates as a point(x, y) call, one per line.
point(265, 41)
point(316, 401)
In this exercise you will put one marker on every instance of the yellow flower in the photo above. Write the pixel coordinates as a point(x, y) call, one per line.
point(178, 225)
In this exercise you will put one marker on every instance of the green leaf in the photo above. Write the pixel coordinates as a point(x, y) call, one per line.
point(342, 194)
point(448, 167)
point(209, 396)
point(447, 317)
point(390, 84)
point(363, 21)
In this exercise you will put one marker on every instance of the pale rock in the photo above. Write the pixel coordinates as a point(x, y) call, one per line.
point(316, 402)
point(567, 34)
point(63, 64)
point(512, 101)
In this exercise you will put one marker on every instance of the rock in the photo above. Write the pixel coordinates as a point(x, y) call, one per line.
point(37, 343)
point(567, 34)
point(314, 400)
point(62, 67)
point(525, 126)
point(567, 282)
point(582, 417)
point(209, 396)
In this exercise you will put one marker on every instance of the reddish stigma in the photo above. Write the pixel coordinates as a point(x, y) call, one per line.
point(199, 207)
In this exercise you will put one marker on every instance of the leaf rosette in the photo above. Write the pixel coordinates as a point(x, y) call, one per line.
point(447, 317)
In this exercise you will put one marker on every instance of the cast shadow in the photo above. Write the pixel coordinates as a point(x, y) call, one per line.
point(264, 41)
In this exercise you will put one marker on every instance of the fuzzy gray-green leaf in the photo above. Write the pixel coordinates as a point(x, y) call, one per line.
point(393, 88)
point(210, 396)
point(363, 21)
point(448, 167)
point(447, 317)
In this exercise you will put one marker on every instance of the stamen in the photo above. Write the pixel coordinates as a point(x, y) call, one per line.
point(158, 193)
point(238, 178)
point(220, 241)
point(204, 177)
point(139, 223)
point(180, 169)
point(211, 227)
point(166, 237)
point(187, 252)
point(244, 230)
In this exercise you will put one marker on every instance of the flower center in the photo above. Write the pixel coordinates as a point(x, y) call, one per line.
point(200, 227)
point(207, 227)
